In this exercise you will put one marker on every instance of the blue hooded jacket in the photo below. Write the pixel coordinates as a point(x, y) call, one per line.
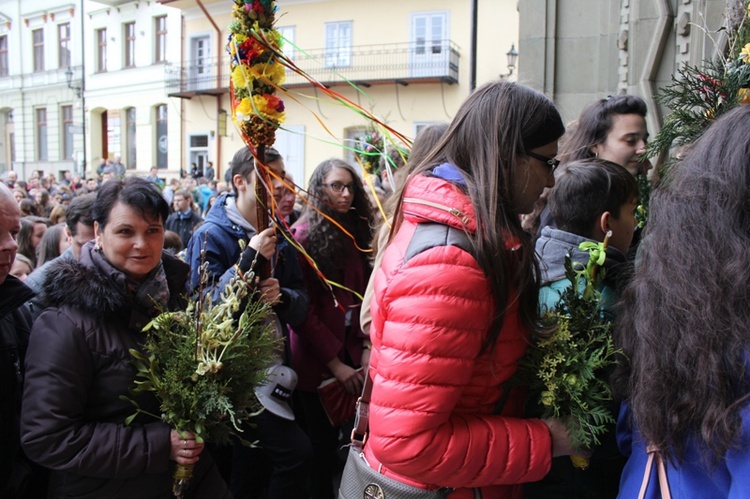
point(221, 237)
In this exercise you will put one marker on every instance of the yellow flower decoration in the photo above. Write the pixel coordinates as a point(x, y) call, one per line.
point(244, 107)
point(744, 96)
point(745, 53)
point(269, 71)
point(239, 75)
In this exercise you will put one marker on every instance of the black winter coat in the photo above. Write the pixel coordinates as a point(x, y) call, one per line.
point(78, 366)
point(15, 324)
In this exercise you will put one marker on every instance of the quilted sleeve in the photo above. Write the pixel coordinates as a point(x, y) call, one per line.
point(428, 327)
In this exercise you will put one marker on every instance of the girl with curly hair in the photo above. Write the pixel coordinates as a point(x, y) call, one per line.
point(336, 231)
point(685, 325)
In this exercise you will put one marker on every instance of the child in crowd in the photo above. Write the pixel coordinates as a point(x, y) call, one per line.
point(590, 198)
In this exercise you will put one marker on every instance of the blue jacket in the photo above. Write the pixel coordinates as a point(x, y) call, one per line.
point(221, 237)
point(729, 480)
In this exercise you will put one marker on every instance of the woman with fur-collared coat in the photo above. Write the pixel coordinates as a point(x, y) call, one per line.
point(78, 364)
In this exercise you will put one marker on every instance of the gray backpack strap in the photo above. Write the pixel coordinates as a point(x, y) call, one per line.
point(431, 235)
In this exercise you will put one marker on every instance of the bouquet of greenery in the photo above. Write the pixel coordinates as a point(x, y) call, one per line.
point(566, 372)
point(204, 363)
point(370, 148)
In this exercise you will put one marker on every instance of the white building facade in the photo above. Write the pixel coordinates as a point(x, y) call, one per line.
point(84, 80)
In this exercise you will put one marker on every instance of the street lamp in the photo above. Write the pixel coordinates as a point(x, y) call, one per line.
point(512, 56)
point(69, 76)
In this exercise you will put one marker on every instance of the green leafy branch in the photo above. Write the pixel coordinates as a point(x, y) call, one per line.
point(203, 363)
point(567, 371)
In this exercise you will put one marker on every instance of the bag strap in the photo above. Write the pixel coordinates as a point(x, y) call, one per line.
point(362, 415)
point(655, 455)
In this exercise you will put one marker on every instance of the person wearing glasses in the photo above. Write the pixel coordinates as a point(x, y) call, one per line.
point(335, 230)
point(455, 306)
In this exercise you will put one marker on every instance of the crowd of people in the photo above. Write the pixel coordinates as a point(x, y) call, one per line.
point(434, 302)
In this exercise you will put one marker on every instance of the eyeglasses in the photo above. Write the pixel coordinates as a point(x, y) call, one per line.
point(552, 163)
point(339, 187)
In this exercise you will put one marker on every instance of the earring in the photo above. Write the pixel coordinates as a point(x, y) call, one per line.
point(97, 247)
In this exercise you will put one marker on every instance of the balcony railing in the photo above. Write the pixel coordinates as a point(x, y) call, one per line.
point(364, 65)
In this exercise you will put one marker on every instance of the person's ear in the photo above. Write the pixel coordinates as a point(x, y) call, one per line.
point(239, 182)
point(68, 235)
point(604, 220)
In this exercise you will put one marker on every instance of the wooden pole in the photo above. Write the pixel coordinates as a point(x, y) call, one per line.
point(262, 204)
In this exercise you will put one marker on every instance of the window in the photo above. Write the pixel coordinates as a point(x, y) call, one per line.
point(38, 37)
point(4, 71)
point(67, 128)
point(63, 42)
point(160, 26)
point(288, 33)
point(130, 136)
point(161, 136)
point(41, 134)
point(429, 54)
point(129, 45)
point(338, 44)
point(101, 50)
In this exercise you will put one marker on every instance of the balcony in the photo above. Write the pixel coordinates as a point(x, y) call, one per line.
point(364, 65)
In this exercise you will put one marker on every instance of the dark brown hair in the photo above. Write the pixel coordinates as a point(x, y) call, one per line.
point(685, 319)
point(485, 141)
point(327, 243)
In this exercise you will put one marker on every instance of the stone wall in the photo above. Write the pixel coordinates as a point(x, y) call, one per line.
point(577, 51)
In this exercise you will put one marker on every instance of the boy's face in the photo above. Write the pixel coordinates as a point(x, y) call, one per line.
point(623, 227)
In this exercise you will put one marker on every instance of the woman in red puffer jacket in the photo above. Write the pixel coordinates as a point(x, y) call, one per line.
point(455, 305)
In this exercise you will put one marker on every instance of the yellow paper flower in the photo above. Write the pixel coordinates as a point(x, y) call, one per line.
point(744, 96)
point(239, 76)
point(745, 53)
point(244, 107)
point(269, 71)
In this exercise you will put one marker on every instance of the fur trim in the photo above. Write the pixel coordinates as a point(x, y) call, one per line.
point(69, 282)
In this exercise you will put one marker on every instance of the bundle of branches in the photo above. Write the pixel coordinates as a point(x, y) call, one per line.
point(567, 371)
point(203, 365)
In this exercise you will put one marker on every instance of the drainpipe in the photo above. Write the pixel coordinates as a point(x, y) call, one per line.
point(473, 63)
point(83, 92)
point(218, 162)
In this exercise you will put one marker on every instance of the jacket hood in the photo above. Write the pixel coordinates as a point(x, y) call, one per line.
point(554, 245)
point(217, 216)
point(432, 199)
point(79, 284)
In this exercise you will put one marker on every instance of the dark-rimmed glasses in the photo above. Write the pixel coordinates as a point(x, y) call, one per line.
point(339, 187)
point(552, 163)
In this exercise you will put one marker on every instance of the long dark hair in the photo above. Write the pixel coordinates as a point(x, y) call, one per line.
point(685, 320)
point(486, 141)
point(24, 236)
point(594, 124)
point(327, 243)
point(49, 247)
